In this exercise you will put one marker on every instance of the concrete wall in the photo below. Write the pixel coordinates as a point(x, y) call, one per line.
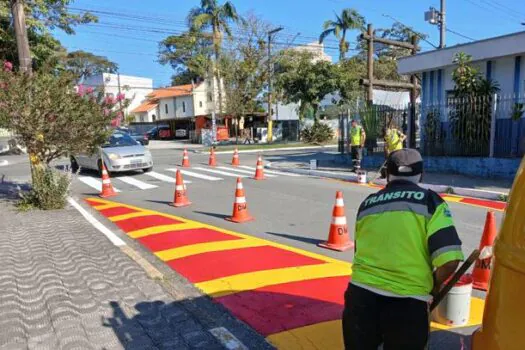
point(183, 106)
point(146, 117)
point(505, 168)
point(166, 108)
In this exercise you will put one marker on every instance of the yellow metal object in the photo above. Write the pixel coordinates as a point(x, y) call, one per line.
point(269, 134)
point(503, 325)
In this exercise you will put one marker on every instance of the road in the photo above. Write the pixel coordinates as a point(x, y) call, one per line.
point(264, 283)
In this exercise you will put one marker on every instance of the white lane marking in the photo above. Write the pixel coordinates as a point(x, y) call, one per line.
point(110, 235)
point(241, 171)
point(137, 183)
point(228, 340)
point(163, 177)
point(271, 171)
point(225, 173)
point(94, 183)
point(197, 175)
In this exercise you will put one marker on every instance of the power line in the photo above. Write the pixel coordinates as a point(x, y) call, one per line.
point(502, 13)
point(461, 35)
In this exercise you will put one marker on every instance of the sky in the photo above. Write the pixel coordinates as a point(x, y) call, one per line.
point(128, 31)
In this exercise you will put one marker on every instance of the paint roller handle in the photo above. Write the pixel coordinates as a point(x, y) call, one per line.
point(455, 277)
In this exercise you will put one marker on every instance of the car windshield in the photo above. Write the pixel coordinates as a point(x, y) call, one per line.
point(120, 140)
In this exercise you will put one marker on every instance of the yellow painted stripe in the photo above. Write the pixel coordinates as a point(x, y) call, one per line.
point(194, 249)
point(130, 215)
point(162, 228)
point(323, 335)
point(452, 199)
point(236, 234)
point(329, 335)
point(253, 280)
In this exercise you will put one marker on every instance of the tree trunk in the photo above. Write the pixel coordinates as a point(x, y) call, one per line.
point(22, 42)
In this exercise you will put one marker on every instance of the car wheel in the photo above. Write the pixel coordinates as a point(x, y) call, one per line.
point(74, 165)
point(147, 170)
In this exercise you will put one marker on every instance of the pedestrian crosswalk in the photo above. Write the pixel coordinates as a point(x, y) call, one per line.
point(155, 179)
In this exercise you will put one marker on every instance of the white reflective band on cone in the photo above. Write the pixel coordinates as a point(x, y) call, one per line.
point(185, 157)
point(339, 220)
point(106, 181)
point(104, 172)
point(339, 202)
point(240, 200)
point(239, 186)
point(179, 188)
point(259, 167)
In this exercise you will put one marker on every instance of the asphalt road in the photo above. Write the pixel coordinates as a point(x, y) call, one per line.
point(293, 210)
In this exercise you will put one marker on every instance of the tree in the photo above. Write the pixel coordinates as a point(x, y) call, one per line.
point(300, 80)
point(211, 15)
point(189, 54)
point(85, 64)
point(349, 19)
point(41, 17)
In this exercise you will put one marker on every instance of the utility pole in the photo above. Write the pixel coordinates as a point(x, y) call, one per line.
point(270, 73)
point(22, 42)
point(119, 99)
point(370, 65)
point(436, 17)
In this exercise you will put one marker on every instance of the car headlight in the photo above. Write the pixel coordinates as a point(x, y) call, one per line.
point(114, 156)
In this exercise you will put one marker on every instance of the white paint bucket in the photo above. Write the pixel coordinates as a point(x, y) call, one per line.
point(313, 164)
point(361, 176)
point(454, 309)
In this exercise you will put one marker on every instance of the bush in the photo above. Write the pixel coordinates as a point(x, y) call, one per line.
point(317, 134)
point(49, 191)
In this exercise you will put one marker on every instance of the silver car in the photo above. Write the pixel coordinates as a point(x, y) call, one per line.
point(120, 153)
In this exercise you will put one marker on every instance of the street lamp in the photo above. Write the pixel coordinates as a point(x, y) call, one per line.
point(436, 17)
point(270, 71)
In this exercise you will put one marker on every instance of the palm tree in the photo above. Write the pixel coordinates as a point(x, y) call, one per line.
point(349, 19)
point(212, 15)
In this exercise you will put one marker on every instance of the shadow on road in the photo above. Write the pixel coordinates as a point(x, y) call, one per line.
point(215, 215)
point(296, 238)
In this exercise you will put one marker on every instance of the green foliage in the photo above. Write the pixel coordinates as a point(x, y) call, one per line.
point(349, 19)
point(49, 191)
point(85, 64)
point(503, 198)
point(50, 118)
point(517, 111)
point(370, 120)
point(449, 190)
point(300, 80)
point(42, 16)
point(318, 134)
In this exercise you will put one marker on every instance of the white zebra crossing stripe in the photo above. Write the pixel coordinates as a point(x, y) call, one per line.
point(197, 175)
point(134, 182)
point(163, 177)
point(241, 171)
point(94, 183)
point(272, 171)
point(225, 173)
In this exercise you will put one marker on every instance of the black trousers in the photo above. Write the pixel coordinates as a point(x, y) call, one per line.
point(370, 319)
point(357, 155)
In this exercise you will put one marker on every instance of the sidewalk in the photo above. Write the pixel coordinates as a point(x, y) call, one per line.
point(63, 285)
point(458, 184)
point(172, 144)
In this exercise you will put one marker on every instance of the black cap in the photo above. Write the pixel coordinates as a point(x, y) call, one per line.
point(405, 162)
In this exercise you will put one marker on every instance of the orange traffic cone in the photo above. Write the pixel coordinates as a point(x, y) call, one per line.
point(481, 273)
point(338, 238)
point(180, 199)
point(240, 207)
point(185, 159)
point(212, 161)
point(235, 160)
point(107, 188)
point(259, 172)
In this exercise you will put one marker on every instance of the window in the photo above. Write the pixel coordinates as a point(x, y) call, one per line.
point(142, 118)
point(166, 108)
point(200, 104)
point(153, 117)
point(210, 97)
point(183, 107)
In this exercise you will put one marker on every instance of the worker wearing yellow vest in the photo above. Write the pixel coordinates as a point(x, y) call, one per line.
point(357, 141)
point(393, 140)
point(406, 247)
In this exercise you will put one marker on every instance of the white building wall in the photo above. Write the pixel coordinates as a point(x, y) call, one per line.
point(184, 107)
point(166, 108)
point(503, 73)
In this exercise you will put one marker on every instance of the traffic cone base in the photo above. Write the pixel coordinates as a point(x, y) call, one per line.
point(107, 188)
point(338, 238)
point(180, 198)
point(481, 272)
point(240, 207)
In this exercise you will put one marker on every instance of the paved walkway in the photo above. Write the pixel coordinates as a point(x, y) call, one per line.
point(63, 285)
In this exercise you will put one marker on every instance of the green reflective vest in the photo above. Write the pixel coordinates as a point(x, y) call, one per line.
point(393, 141)
point(402, 233)
point(355, 135)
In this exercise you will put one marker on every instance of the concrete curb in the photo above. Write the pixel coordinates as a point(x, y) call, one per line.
point(3, 162)
point(262, 150)
point(460, 191)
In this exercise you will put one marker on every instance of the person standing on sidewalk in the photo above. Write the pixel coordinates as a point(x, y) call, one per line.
point(406, 246)
point(357, 142)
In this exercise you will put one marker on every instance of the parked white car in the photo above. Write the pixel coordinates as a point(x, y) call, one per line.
point(120, 153)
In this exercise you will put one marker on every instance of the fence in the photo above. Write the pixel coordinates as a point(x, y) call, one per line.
point(478, 126)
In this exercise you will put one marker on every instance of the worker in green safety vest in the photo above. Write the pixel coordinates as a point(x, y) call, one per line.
point(357, 142)
point(393, 140)
point(406, 247)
